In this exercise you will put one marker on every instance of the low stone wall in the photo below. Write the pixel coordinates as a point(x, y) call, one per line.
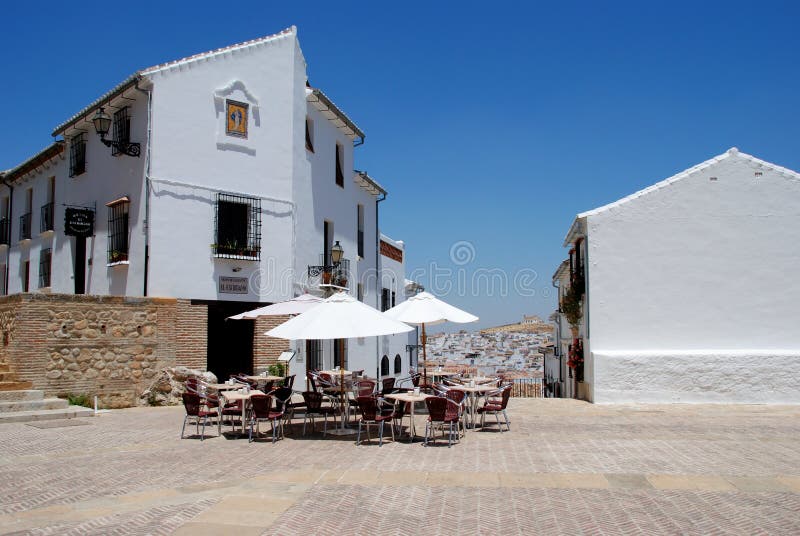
point(108, 346)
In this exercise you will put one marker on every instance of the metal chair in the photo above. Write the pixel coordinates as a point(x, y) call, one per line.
point(440, 411)
point(492, 408)
point(371, 414)
point(261, 410)
point(193, 405)
point(314, 408)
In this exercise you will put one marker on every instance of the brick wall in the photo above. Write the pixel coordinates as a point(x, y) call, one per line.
point(108, 346)
point(267, 349)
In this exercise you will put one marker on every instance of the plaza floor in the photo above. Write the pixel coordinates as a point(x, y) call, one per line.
point(566, 467)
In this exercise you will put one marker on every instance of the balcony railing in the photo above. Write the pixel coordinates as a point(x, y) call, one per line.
point(329, 273)
point(5, 231)
point(46, 222)
point(25, 226)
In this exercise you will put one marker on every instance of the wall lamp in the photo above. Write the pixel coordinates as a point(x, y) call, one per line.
point(102, 123)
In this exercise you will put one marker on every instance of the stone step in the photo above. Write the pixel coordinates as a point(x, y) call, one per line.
point(33, 405)
point(46, 414)
point(27, 394)
point(15, 386)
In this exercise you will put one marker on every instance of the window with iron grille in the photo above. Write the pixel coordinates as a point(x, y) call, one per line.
point(45, 263)
point(340, 353)
point(118, 232)
point(313, 354)
point(360, 222)
point(385, 297)
point(77, 155)
point(394, 298)
point(122, 130)
point(339, 170)
point(360, 292)
point(238, 227)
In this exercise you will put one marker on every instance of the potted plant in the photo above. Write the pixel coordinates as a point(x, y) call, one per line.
point(117, 256)
point(326, 277)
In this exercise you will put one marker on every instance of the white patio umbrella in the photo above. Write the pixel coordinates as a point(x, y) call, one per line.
point(339, 317)
point(426, 309)
point(295, 306)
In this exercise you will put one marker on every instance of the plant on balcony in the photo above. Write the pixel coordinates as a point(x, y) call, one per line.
point(572, 307)
point(575, 360)
point(117, 256)
point(232, 247)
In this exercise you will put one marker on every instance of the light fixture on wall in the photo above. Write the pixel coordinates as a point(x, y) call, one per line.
point(236, 269)
point(336, 253)
point(102, 124)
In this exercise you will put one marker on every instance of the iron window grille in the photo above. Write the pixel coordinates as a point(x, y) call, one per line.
point(340, 353)
point(45, 263)
point(118, 232)
point(314, 354)
point(360, 222)
point(385, 297)
point(122, 131)
point(77, 155)
point(46, 222)
point(5, 231)
point(339, 171)
point(25, 226)
point(237, 227)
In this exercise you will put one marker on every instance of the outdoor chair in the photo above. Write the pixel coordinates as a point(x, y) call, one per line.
point(232, 410)
point(460, 398)
point(371, 414)
point(361, 388)
point(314, 408)
point(312, 380)
point(441, 411)
point(491, 408)
point(193, 405)
point(387, 386)
point(283, 403)
point(261, 410)
point(288, 381)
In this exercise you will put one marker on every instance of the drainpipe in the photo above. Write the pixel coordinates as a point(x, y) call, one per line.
point(149, 94)
point(8, 247)
point(378, 278)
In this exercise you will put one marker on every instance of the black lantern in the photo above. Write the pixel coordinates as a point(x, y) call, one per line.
point(102, 124)
point(336, 253)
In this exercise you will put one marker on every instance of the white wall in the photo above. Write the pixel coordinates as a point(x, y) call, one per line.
point(693, 289)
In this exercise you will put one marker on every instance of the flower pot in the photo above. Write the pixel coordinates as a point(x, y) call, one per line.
point(326, 278)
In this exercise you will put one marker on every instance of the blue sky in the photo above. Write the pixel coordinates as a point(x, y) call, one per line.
point(490, 123)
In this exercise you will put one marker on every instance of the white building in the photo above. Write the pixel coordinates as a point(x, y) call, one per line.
point(691, 287)
point(243, 179)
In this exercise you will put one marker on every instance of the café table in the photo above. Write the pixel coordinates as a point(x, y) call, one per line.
point(473, 393)
point(242, 395)
point(224, 386)
point(412, 401)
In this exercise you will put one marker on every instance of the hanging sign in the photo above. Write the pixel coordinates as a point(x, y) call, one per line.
point(79, 222)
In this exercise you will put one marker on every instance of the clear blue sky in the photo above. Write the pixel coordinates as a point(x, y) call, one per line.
point(488, 122)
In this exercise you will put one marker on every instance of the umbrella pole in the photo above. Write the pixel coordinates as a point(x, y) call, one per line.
point(424, 357)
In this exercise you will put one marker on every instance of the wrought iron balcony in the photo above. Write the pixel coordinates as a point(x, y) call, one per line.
point(25, 226)
point(46, 222)
point(329, 273)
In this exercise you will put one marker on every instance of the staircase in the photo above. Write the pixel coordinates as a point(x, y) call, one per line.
point(20, 403)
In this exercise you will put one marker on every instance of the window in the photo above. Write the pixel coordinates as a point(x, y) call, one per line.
point(5, 222)
point(339, 170)
point(45, 262)
point(26, 274)
point(46, 220)
point(398, 364)
point(313, 354)
point(118, 230)
point(385, 366)
point(394, 297)
point(309, 134)
point(236, 118)
point(385, 297)
point(77, 155)
point(360, 292)
point(238, 227)
point(122, 130)
point(25, 219)
point(340, 353)
point(360, 223)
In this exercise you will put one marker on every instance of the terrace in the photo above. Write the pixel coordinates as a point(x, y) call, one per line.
point(565, 467)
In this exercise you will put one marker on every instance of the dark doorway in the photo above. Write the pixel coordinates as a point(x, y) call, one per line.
point(230, 342)
point(80, 264)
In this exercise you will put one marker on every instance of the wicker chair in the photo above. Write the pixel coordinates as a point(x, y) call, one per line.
point(441, 411)
point(193, 405)
point(492, 408)
point(261, 410)
point(371, 414)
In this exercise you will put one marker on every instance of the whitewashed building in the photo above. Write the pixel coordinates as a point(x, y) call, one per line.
point(691, 287)
point(224, 178)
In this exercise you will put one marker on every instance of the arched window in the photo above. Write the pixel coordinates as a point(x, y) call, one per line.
point(398, 364)
point(385, 366)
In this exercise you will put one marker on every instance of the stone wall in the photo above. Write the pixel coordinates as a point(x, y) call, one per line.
point(108, 346)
